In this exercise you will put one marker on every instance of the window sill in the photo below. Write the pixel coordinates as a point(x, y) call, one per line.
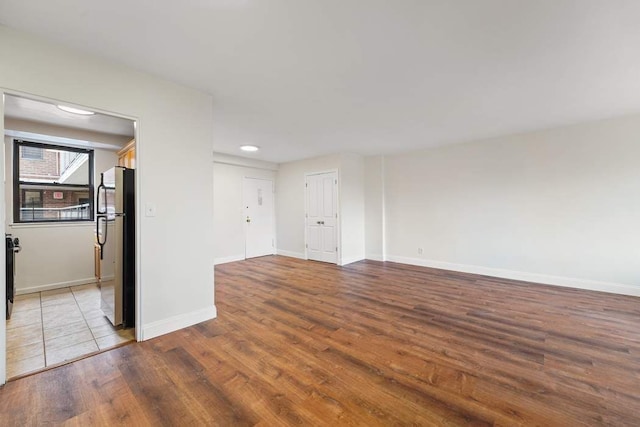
point(52, 224)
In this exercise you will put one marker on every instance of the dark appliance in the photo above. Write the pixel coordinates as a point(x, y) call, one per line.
point(12, 248)
point(115, 233)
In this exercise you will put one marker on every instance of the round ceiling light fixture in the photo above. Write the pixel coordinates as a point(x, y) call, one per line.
point(76, 110)
point(249, 148)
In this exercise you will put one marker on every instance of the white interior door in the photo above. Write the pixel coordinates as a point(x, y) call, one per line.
point(322, 221)
point(257, 195)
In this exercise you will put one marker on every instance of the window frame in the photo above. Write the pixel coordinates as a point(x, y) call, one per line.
point(19, 185)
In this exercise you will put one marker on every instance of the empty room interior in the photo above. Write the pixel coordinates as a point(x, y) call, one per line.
point(241, 212)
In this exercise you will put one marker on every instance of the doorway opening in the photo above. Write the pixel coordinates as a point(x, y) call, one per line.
point(54, 159)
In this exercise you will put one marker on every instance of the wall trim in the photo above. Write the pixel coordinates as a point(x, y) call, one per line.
point(226, 259)
point(174, 323)
point(51, 286)
point(374, 257)
point(352, 260)
point(568, 282)
point(291, 254)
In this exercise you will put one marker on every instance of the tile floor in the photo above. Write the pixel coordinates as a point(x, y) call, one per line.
point(47, 328)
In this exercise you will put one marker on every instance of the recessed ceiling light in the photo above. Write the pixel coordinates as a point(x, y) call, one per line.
point(76, 110)
point(249, 148)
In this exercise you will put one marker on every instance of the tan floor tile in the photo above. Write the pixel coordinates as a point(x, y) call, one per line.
point(88, 287)
point(87, 296)
point(94, 322)
point(65, 333)
point(61, 309)
point(25, 351)
point(71, 352)
point(88, 299)
point(93, 314)
point(103, 330)
point(83, 298)
point(55, 319)
point(68, 339)
point(53, 292)
point(87, 293)
point(60, 331)
point(26, 302)
point(24, 366)
point(24, 335)
point(58, 299)
point(23, 318)
point(113, 340)
point(89, 305)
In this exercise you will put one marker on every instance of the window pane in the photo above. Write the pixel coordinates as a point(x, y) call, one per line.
point(53, 166)
point(52, 183)
point(34, 153)
point(54, 204)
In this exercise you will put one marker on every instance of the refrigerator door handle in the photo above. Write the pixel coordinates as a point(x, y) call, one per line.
point(103, 240)
point(102, 188)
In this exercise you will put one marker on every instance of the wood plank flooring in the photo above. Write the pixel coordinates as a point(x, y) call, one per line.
point(305, 343)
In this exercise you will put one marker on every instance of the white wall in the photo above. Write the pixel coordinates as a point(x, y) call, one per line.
point(559, 206)
point(374, 208)
point(228, 212)
point(175, 170)
point(351, 208)
point(290, 204)
point(53, 255)
point(290, 208)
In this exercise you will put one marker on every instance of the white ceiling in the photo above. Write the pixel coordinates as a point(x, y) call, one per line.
point(302, 78)
point(42, 112)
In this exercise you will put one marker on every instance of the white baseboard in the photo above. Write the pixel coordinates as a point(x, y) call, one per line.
point(51, 286)
point(569, 282)
point(165, 326)
point(290, 254)
point(351, 260)
point(226, 259)
point(374, 257)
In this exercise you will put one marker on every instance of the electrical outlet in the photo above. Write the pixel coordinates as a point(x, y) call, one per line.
point(419, 251)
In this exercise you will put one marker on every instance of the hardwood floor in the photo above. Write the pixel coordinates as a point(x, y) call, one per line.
point(305, 343)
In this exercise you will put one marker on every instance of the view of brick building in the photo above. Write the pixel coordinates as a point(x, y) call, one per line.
point(53, 183)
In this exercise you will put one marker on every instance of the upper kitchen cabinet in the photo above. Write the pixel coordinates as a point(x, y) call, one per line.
point(127, 156)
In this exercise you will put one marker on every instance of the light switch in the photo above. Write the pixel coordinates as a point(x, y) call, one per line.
point(150, 209)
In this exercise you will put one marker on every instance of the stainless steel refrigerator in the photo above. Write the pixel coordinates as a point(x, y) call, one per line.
point(115, 233)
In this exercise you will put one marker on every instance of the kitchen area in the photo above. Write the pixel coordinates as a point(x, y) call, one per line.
point(70, 225)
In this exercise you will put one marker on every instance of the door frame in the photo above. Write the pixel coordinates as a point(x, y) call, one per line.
point(139, 155)
point(338, 220)
point(273, 213)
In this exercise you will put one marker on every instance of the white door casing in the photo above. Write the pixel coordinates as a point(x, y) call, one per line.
point(321, 227)
point(257, 196)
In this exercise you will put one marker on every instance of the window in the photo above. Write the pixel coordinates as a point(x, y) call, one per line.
point(51, 183)
point(32, 153)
